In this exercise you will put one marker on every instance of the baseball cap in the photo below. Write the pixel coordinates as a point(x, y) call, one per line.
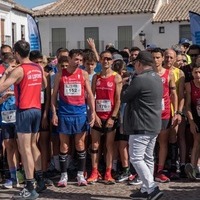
point(151, 46)
point(117, 56)
point(184, 41)
point(145, 57)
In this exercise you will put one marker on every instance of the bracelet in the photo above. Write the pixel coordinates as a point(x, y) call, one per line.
point(178, 113)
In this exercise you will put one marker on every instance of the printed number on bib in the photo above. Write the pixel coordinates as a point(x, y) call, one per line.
point(103, 105)
point(72, 89)
point(8, 116)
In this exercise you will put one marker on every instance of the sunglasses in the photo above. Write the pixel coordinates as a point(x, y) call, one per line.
point(185, 61)
point(107, 58)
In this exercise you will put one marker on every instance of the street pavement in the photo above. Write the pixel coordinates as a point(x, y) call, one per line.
point(179, 190)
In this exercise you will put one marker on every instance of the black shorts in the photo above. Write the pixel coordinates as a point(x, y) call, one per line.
point(165, 124)
point(104, 129)
point(120, 136)
point(8, 131)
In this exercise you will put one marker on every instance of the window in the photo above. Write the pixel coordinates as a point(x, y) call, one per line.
point(14, 34)
point(124, 37)
point(184, 32)
point(161, 29)
point(58, 39)
point(22, 32)
point(92, 32)
point(2, 31)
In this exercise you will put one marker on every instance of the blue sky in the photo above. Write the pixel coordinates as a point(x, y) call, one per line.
point(33, 3)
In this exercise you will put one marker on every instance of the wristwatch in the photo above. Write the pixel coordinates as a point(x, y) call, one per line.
point(113, 117)
point(178, 113)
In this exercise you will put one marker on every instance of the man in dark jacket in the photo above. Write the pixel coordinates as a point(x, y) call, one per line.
point(142, 121)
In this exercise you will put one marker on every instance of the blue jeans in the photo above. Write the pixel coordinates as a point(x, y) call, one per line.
point(141, 148)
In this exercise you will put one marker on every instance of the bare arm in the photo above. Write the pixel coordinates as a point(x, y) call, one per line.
point(181, 99)
point(9, 78)
point(174, 99)
point(45, 120)
point(118, 82)
point(93, 47)
point(193, 126)
point(90, 98)
point(54, 99)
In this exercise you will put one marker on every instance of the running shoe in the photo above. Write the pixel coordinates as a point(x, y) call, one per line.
point(124, 176)
point(48, 182)
point(190, 171)
point(182, 172)
point(160, 177)
point(94, 177)
point(155, 195)
point(108, 179)
point(139, 195)
point(26, 194)
point(135, 181)
point(63, 180)
point(10, 183)
point(81, 180)
point(174, 176)
point(40, 186)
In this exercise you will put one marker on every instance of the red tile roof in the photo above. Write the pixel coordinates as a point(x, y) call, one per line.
point(177, 10)
point(97, 7)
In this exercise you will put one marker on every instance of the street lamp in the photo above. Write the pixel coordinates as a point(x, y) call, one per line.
point(142, 38)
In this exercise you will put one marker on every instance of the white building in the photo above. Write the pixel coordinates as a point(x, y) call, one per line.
point(13, 22)
point(68, 23)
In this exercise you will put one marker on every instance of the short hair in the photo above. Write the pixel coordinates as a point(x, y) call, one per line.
point(61, 50)
point(35, 55)
point(158, 50)
point(22, 47)
point(89, 56)
point(63, 59)
point(9, 57)
point(104, 52)
point(75, 52)
point(194, 47)
point(3, 46)
point(124, 54)
point(135, 49)
point(118, 66)
point(112, 50)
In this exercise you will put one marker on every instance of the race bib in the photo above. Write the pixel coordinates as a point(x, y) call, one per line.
point(103, 105)
point(163, 105)
point(72, 89)
point(42, 97)
point(8, 116)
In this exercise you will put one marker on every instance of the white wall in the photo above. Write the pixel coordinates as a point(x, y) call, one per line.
point(108, 26)
point(171, 35)
point(12, 16)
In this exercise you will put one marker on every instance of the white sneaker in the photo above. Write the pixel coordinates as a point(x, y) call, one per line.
point(135, 181)
point(81, 180)
point(63, 180)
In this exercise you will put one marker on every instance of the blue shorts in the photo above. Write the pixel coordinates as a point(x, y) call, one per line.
point(71, 125)
point(28, 121)
point(8, 131)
